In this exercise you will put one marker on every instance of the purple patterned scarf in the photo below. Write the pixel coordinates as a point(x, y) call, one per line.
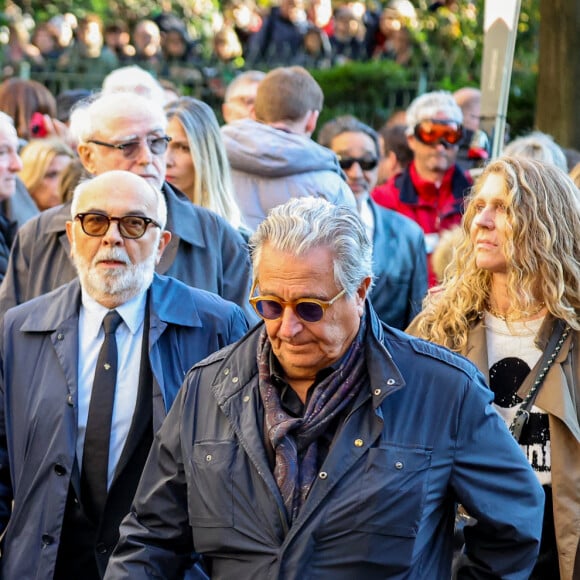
point(294, 439)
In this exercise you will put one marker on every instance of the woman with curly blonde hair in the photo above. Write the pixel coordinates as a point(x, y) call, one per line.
point(513, 277)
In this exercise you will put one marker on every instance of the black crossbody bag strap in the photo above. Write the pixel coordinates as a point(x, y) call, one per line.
point(557, 339)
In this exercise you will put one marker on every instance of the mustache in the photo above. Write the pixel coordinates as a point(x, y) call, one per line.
point(116, 254)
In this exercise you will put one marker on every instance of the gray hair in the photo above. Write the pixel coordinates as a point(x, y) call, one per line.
point(305, 223)
point(161, 209)
point(426, 106)
point(346, 124)
point(248, 77)
point(538, 146)
point(134, 79)
point(7, 120)
point(87, 116)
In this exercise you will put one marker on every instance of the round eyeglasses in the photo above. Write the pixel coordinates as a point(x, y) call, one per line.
point(156, 144)
point(131, 227)
point(307, 309)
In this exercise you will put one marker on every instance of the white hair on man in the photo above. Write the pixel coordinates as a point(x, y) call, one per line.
point(136, 80)
point(428, 105)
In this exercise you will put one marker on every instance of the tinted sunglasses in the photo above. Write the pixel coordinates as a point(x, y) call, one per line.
point(364, 164)
point(157, 145)
point(434, 131)
point(132, 227)
point(307, 309)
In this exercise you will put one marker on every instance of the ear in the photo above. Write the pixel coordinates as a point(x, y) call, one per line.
point(69, 233)
point(225, 111)
point(311, 121)
point(411, 141)
point(361, 294)
point(85, 152)
point(164, 239)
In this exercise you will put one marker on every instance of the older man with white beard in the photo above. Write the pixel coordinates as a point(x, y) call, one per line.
point(76, 423)
point(126, 131)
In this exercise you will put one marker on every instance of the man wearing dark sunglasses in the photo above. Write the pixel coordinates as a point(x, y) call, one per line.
point(399, 257)
point(431, 190)
point(126, 131)
point(74, 443)
point(326, 444)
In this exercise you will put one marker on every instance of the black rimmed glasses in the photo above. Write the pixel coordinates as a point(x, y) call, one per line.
point(365, 164)
point(156, 144)
point(131, 227)
point(307, 309)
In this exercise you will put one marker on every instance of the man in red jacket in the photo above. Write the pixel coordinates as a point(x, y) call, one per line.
point(431, 190)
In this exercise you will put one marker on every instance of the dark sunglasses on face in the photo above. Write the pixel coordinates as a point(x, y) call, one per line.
point(364, 164)
point(157, 145)
point(307, 309)
point(131, 227)
point(434, 131)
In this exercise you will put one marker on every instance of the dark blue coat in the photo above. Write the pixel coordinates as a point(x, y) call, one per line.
point(38, 409)
point(399, 267)
point(421, 436)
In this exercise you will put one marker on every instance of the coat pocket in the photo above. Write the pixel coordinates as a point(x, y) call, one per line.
point(392, 490)
point(211, 500)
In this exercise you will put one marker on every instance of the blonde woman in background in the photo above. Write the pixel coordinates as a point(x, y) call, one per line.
point(43, 162)
point(511, 291)
point(197, 163)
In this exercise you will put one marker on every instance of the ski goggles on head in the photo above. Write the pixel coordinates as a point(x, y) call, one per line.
point(435, 131)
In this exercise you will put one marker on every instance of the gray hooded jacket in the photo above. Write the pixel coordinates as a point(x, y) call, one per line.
point(270, 166)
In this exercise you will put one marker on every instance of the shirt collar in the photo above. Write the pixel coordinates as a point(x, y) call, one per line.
point(132, 312)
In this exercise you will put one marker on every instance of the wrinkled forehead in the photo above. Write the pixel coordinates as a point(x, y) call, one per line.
point(118, 196)
point(135, 124)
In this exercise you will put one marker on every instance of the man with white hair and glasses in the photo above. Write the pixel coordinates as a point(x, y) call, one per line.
point(126, 131)
point(431, 190)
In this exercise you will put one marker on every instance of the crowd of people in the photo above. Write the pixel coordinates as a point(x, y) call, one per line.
point(277, 349)
point(242, 35)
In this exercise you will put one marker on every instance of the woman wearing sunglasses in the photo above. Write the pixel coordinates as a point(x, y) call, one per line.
point(431, 190)
point(510, 302)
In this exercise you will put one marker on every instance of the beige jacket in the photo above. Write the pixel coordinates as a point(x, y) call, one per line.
point(559, 396)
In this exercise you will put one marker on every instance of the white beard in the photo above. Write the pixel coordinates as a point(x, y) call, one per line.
point(121, 283)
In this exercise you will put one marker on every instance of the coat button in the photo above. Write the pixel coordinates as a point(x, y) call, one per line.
point(358, 442)
point(399, 465)
point(60, 336)
point(101, 548)
point(226, 372)
point(60, 469)
point(235, 380)
point(377, 392)
point(323, 475)
point(47, 539)
point(70, 400)
point(390, 382)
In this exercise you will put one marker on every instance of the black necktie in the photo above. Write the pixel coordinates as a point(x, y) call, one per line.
point(98, 432)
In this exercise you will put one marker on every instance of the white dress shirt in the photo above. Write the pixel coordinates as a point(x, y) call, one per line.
point(129, 337)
